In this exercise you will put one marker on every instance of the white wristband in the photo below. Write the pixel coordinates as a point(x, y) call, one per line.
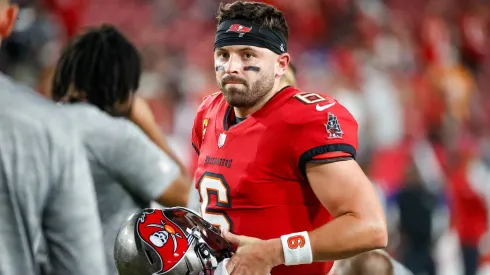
point(297, 248)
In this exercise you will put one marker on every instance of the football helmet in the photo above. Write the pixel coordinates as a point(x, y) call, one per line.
point(170, 241)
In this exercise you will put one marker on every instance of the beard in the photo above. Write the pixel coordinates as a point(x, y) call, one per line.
point(246, 95)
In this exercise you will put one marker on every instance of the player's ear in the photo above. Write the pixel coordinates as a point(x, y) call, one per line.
point(282, 64)
point(8, 16)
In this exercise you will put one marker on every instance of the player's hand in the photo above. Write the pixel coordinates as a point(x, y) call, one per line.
point(253, 256)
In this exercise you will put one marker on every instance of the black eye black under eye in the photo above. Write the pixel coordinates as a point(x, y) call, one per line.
point(252, 68)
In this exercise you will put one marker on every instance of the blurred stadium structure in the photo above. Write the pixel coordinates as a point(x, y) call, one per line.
point(415, 74)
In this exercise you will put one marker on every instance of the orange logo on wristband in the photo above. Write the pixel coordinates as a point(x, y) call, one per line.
point(296, 241)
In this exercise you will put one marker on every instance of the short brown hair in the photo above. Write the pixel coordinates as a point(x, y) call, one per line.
point(257, 12)
point(372, 262)
point(368, 263)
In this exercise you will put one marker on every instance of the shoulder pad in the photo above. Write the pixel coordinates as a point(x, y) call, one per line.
point(313, 107)
point(209, 100)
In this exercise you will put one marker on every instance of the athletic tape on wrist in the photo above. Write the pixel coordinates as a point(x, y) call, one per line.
point(297, 248)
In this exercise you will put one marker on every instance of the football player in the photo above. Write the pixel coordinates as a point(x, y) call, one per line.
point(276, 169)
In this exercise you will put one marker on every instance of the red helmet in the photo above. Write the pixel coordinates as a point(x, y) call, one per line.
point(169, 241)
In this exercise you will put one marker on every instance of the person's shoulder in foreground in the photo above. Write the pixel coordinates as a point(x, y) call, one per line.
point(36, 138)
point(50, 221)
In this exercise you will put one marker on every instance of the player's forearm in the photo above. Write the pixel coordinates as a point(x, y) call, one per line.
point(344, 237)
point(347, 236)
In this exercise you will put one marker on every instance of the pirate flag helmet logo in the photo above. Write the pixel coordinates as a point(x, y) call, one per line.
point(164, 236)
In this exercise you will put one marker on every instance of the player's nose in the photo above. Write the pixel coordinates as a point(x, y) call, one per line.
point(233, 65)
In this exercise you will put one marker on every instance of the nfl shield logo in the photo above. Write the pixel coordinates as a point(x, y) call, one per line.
point(333, 127)
point(221, 140)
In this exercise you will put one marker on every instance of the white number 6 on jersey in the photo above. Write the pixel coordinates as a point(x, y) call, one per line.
point(209, 185)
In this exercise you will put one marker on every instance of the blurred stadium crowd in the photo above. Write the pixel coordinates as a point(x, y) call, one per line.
point(415, 74)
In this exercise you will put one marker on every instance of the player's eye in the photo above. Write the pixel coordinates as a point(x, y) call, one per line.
point(248, 55)
point(223, 55)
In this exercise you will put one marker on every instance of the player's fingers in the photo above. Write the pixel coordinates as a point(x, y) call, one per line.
point(238, 270)
point(244, 270)
point(230, 265)
point(232, 238)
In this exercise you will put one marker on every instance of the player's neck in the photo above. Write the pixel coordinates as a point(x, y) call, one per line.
point(245, 112)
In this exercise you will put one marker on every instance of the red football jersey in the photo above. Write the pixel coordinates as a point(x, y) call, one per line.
point(251, 176)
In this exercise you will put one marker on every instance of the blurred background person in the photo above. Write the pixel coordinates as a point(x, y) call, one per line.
point(50, 223)
point(95, 80)
point(416, 206)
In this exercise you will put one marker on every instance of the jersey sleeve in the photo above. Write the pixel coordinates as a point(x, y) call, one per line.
point(325, 136)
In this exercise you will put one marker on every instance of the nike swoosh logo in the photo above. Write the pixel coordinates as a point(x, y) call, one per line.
point(324, 107)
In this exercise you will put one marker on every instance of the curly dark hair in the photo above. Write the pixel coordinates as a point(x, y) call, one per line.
point(101, 63)
point(259, 13)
